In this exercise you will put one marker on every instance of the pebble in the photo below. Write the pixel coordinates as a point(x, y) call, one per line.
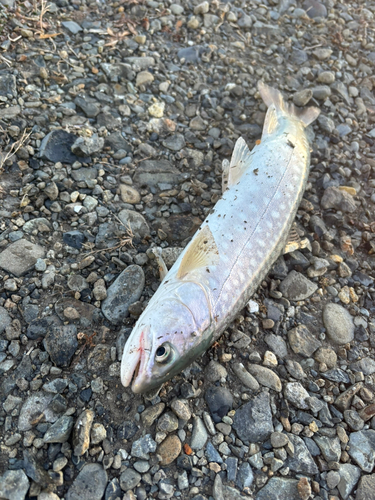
point(265, 377)
point(339, 324)
point(169, 449)
point(60, 431)
point(220, 402)
point(20, 257)
point(89, 484)
point(297, 395)
point(199, 436)
point(215, 371)
point(14, 485)
point(362, 449)
point(302, 341)
point(365, 487)
point(297, 287)
point(81, 433)
point(245, 377)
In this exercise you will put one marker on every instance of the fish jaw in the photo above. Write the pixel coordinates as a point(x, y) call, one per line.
point(135, 357)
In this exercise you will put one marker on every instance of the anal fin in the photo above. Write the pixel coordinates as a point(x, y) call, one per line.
point(294, 242)
point(240, 161)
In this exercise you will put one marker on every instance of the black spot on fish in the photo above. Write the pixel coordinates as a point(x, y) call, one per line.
point(256, 170)
point(289, 142)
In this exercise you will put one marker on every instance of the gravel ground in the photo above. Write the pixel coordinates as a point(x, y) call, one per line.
point(115, 118)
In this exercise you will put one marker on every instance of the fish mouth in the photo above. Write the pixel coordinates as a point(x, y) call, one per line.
point(134, 361)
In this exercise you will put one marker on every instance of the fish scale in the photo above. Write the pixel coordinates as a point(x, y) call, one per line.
point(230, 254)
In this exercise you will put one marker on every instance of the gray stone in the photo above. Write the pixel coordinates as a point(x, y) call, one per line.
point(56, 147)
point(338, 199)
point(5, 319)
point(36, 404)
point(353, 419)
point(297, 287)
point(245, 477)
point(125, 290)
point(278, 439)
point(199, 435)
point(302, 341)
point(40, 224)
point(140, 62)
point(220, 402)
point(265, 377)
point(339, 324)
point(215, 371)
point(330, 447)
point(277, 344)
point(8, 83)
point(295, 369)
point(89, 484)
point(349, 476)
point(302, 97)
point(253, 420)
point(129, 479)
point(301, 461)
point(362, 449)
point(135, 221)
point(364, 365)
point(326, 124)
point(245, 377)
point(34, 470)
point(366, 488)
point(20, 257)
point(279, 488)
point(297, 395)
point(13, 485)
point(174, 142)
point(143, 447)
point(167, 422)
point(60, 431)
point(72, 26)
point(153, 172)
point(86, 146)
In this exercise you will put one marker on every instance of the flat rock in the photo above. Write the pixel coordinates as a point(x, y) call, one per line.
point(125, 290)
point(136, 222)
point(330, 447)
point(245, 377)
point(365, 365)
point(56, 147)
point(297, 287)
point(61, 344)
point(59, 432)
point(40, 224)
point(366, 488)
point(20, 257)
point(297, 395)
point(14, 485)
point(34, 470)
point(302, 341)
point(277, 344)
point(35, 405)
point(150, 414)
point(349, 476)
point(279, 488)
point(339, 324)
point(89, 484)
point(142, 447)
point(87, 314)
point(153, 172)
point(253, 420)
point(362, 449)
point(301, 461)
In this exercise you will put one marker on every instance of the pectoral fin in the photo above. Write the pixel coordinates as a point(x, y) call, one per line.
point(201, 252)
point(224, 182)
point(271, 121)
point(294, 242)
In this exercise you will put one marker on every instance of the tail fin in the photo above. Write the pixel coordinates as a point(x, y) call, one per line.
point(274, 97)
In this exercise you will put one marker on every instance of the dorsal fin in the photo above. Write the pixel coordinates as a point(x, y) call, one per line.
point(271, 121)
point(241, 159)
point(202, 252)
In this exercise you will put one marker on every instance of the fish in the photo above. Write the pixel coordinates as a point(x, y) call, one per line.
point(230, 254)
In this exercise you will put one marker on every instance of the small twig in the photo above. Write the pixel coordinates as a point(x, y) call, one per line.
point(14, 147)
point(7, 62)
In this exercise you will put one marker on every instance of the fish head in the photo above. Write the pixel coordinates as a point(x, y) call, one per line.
point(166, 339)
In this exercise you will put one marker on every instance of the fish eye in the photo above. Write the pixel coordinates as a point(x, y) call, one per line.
point(162, 353)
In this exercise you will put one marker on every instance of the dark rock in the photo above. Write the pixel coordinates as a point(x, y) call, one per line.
point(56, 147)
point(34, 470)
point(74, 239)
point(219, 401)
point(20, 257)
point(314, 8)
point(301, 461)
point(153, 172)
point(279, 488)
point(14, 485)
point(127, 430)
point(88, 105)
point(125, 290)
point(253, 420)
point(89, 484)
point(61, 344)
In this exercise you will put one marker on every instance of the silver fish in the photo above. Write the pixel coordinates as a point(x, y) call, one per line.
point(230, 254)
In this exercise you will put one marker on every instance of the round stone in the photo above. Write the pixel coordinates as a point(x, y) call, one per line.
point(169, 450)
point(339, 324)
